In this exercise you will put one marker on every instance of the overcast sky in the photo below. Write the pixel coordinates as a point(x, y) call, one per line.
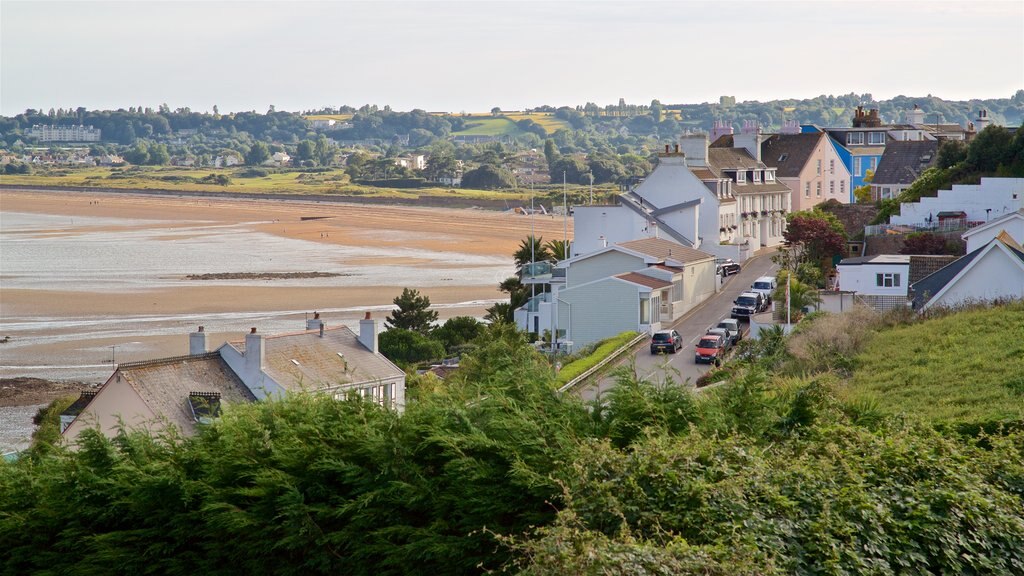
point(472, 56)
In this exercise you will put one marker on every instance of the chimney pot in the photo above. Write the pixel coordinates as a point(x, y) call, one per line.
point(200, 329)
point(666, 148)
point(367, 317)
point(252, 330)
point(321, 329)
point(316, 315)
point(677, 148)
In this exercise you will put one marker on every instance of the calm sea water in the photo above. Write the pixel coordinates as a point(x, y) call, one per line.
point(46, 252)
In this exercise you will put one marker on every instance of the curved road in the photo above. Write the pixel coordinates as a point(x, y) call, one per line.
point(680, 367)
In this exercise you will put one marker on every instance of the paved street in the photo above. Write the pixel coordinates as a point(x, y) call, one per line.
point(680, 366)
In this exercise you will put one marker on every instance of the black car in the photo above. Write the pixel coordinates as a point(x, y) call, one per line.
point(726, 267)
point(666, 341)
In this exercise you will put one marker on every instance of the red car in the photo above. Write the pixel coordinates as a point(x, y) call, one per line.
point(710, 349)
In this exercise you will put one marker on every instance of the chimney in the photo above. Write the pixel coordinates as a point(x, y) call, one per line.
point(790, 127)
point(915, 116)
point(749, 140)
point(720, 129)
point(677, 148)
point(315, 322)
point(368, 333)
point(695, 149)
point(982, 121)
point(666, 148)
point(321, 329)
point(197, 342)
point(253, 352)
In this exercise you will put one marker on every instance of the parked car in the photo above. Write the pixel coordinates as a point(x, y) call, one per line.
point(666, 341)
point(726, 267)
point(748, 304)
point(726, 337)
point(710, 349)
point(733, 326)
point(764, 286)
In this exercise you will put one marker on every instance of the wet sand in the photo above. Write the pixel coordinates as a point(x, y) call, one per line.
point(63, 333)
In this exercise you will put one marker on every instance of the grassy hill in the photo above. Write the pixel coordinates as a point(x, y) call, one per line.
point(961, 370)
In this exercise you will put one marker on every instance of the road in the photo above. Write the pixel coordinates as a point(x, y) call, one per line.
point(680, 366)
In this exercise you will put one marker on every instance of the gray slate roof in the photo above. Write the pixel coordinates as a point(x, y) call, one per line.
point(317, 364)
point(903, 161)
point(925, 289)
point(789, 153)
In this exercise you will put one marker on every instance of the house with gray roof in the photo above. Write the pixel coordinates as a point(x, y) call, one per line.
point(902, 162)
point(185, 392)
point(636, 285)
point(809, 164)
point(993, 272)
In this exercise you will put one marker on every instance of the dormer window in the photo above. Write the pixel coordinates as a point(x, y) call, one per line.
point(855, 138)
point(757, 176)
point(876, 138)
point(741, 176)
point(769, 175)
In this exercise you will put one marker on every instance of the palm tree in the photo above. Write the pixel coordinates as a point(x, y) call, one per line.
point(531, 249)
point(559, 249)
point(800, 295)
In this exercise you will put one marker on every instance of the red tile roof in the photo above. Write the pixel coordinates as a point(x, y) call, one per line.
point(637, 278)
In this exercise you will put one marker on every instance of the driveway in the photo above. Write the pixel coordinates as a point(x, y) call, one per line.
point(680, 366)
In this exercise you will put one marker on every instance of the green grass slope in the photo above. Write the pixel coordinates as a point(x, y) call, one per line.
point(963, 370)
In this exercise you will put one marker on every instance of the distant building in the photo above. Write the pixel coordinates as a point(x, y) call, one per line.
point(47, 133)
point(901, 164)
point(809, 165)
point(412, 161)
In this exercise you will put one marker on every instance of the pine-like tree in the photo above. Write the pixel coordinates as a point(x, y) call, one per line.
point(412, 313)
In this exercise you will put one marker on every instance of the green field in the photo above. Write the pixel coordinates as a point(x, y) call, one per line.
point(489, 126)
point(545, 119)
point(959, 370)
point(283, 182)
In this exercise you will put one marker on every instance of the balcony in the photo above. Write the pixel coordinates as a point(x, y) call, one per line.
point(542, 273)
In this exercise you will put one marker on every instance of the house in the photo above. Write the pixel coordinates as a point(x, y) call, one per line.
point(1012, 223)
point(809, 165)
point(672, 202)
point(901, 163)
point(322, 123)
point(48, 133)
point(636, 285)
point(278, 159)
point(880, 281)
point(412, 161)
point(186, 391)
point(762, 202)
point(993, 198)
point(991, 272)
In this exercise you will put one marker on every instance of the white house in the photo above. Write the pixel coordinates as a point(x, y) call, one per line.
point(673, 202)
point(636, 285)
point(186, 391)
point(991, 199)
point(881, 280)
point(1012, 223)
point(992, 272)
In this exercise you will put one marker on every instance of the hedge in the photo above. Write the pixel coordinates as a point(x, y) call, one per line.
point(603, 349)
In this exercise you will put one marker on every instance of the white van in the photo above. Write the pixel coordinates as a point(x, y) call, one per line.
point(765, 286)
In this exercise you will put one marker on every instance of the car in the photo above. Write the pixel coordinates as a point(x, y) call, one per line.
point(666, 341)
point(764, 286)
point(726, 267)
point(733, 326)
point(710, 349)
point(747, 304)
point(725, 334)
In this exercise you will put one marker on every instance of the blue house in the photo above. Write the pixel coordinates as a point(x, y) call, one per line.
point(860, 147)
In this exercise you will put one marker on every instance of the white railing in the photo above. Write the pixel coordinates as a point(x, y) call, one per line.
point(897, 229)
point(596, 367)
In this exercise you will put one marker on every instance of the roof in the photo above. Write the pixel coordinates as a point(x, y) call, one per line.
point(642, 280)
point(79, 404)
point(749, 188)
point(307, 361)
point(951, 214)
point(1016, 214)
point(165, 385)
point(933, 285)
point(922, 266)
point(903, 161)
point(789, 153)
point(730, 158)
point(703, 173)
point(665, 249)
point(892, 259)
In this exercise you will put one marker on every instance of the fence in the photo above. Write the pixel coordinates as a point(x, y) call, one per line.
point(937, 227)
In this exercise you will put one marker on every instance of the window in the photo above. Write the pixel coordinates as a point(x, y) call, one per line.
point(872, 162)
point(379, 394)
point(741, 176)
point(817, 191)
point(769, 175)
point(783, 157)
point(807, 190)
point(818, 169)
point(876, 137)
point(831, 187)
point(887, 280)
point(856, 167)
point(756, 176)
point(831, 166)
point(677, 290)
point(854, 137)
point(842, 187)
point(645, 311)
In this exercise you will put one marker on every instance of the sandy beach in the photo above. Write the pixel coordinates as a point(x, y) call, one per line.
point(62, 326)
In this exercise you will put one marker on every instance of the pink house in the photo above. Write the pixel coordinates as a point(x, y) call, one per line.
point(809, 164)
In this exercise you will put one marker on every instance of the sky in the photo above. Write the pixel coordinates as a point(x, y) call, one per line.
point(473, 56)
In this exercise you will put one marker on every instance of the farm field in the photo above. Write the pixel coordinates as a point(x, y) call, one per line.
point(284, 182)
